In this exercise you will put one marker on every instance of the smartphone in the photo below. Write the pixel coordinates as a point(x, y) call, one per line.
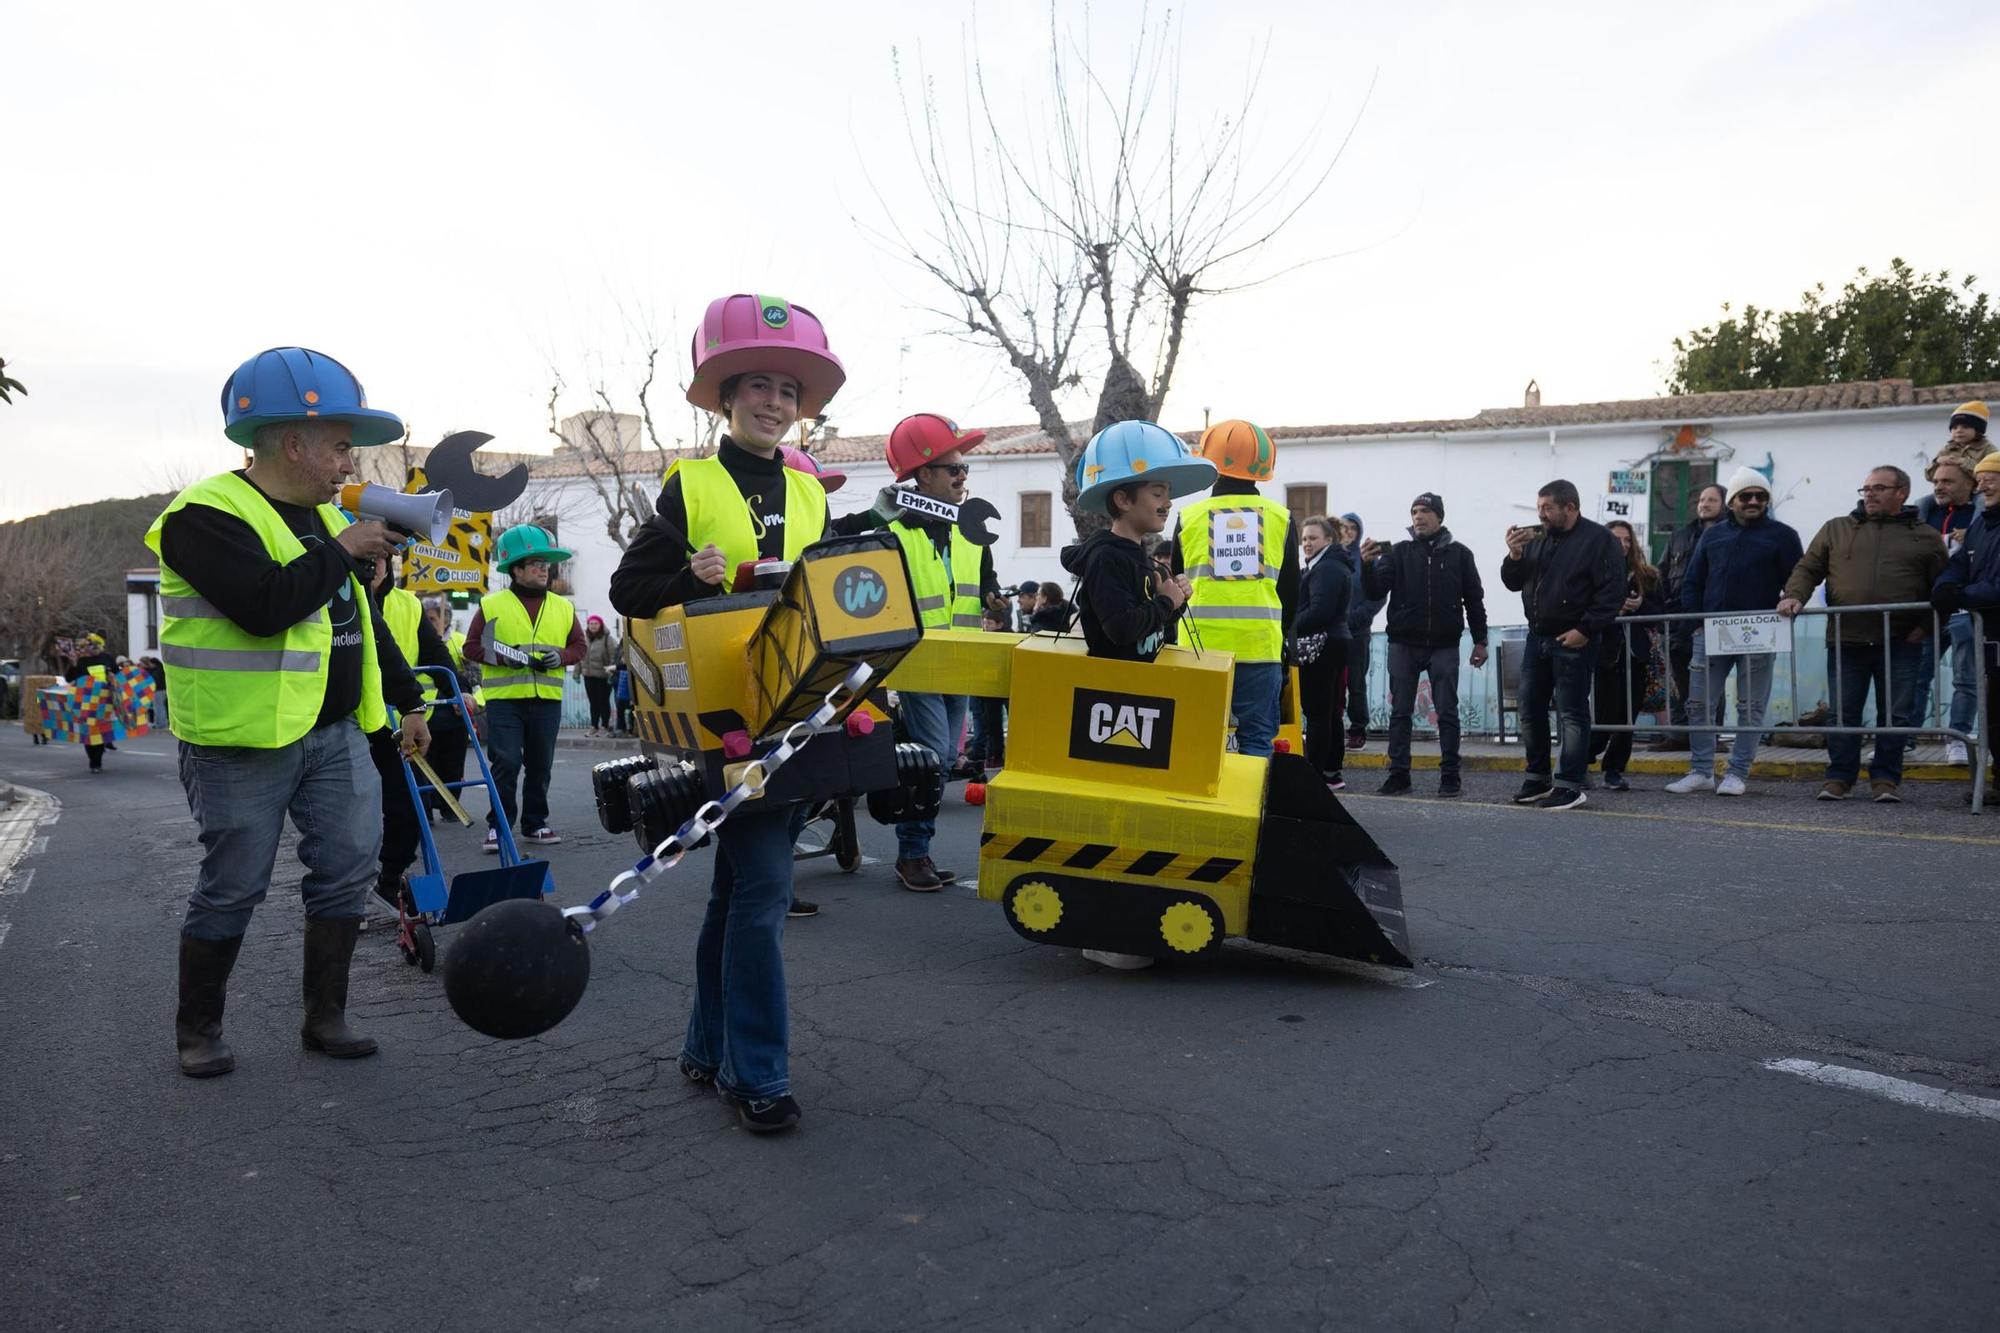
point(1535, 530)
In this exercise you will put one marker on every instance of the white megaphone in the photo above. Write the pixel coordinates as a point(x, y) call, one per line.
point(427, 515)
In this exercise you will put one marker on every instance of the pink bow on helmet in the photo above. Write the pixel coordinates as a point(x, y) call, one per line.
point(799, 460)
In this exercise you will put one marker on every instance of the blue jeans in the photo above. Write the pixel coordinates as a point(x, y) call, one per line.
point(741, 1025)
point(240, 797)
point(522, 732)
point(1551, 671)
point(1253, 697)
point(1964, 669)
point(1859, 666)
point(1406, 663)
point(933, 721)
point(1708, 681)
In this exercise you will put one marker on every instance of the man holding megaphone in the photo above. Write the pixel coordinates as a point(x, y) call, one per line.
point(278, 665)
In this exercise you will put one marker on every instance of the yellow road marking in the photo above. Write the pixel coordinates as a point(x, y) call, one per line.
point(1771, 825)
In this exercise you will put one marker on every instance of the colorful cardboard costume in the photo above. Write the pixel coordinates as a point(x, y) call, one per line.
point(97, 708)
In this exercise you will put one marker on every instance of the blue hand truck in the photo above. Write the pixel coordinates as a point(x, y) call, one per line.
point(429, 902)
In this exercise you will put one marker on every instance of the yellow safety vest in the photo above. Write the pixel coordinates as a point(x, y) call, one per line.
point(944, 597)
point(507, 623)
point(717, 512)
point(401, 614)
point(231, 687)
point(1232, 547)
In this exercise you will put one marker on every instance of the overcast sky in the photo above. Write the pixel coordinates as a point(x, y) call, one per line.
point(455, 198)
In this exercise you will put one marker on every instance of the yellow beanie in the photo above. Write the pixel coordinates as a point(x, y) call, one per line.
point(1975, 414)
point(1990, 463)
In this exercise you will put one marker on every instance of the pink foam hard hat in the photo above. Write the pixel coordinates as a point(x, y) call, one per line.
point(800, 461)
point(744, 333)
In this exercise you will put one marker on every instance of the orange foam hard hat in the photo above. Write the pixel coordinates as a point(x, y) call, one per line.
point(1239, 449)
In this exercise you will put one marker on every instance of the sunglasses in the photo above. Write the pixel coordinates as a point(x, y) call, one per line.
point(955, 469)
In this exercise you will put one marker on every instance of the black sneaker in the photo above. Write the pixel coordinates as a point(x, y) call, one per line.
point(1616, 782)
point(800, 907)
point(1560, 798)
point(1534, 789)
point(1449, 785)
point(1396, 784)
point(694, 1073)
point(768, 1115)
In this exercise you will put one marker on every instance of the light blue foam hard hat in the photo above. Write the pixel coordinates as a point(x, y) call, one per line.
point(1128, 451)
point(294, 383)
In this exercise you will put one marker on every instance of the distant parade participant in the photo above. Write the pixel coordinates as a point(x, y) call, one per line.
point(449, 738)
point(1242, 560)
point(759, 363)
point(523, 637)
point(279, 667)
point(403, 615)
point(952, 578)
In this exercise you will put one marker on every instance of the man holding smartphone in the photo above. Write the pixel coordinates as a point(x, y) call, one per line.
point(1570, 573)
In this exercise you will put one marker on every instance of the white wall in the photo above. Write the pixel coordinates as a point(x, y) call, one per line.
point(1487, 480)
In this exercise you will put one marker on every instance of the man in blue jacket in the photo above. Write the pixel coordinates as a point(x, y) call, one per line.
point(1971, 582)
point(1739, 565)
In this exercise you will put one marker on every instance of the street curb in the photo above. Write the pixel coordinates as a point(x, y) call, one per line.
point(1781, 769)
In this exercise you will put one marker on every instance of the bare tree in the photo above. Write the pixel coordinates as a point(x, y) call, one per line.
point(57, 585)
point(1105, 221)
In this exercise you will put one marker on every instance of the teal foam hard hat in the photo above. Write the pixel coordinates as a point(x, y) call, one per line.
point(1128, 451)
point(296, 384)
point(525, 540)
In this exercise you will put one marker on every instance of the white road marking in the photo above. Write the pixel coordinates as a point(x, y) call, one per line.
point(1920, 1095)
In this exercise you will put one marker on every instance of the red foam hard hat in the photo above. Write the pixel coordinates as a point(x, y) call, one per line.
point(924, 438)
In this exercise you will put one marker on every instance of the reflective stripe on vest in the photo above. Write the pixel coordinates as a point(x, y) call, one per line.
point(944, 597)
point(231, 687)
point(507, 623)
point(1240, 615)
point(718, 512)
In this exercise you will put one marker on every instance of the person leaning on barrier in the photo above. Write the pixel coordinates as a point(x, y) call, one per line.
point(1739, 566)
point(1571, 577)
point(1971, 582)
point(279, 667)
point(1949, 508)
point(1710, 508)
point(1879, 553)
point(1432, 585)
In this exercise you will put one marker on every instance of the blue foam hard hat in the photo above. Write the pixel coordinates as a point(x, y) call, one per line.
point(294, 383)
point(1128, 451)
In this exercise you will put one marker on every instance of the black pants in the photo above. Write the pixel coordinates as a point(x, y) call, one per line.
point(599, 690)
point(1608, 702)
point(96, 754)
point(447, 752)
point(988, 745)
point(1319, 709)
point(1357, 679)
point(399, 816)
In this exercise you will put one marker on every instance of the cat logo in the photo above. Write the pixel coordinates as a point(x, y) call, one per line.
point(1111, 728)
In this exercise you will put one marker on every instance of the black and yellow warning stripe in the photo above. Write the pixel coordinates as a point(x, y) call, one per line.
point(1106, 858)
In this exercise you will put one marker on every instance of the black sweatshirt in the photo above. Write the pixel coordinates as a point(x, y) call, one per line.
point(1572, 580)
point(226, 562)
point(1288, 571)
point(1124, 615)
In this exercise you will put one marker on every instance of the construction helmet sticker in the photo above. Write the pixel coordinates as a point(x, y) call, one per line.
point(1112, 728)
point(777, 311)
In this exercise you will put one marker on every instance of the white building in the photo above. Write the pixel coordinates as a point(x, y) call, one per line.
point(1639, 459)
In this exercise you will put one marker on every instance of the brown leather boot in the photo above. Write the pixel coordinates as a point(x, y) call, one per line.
point(329, 951)
point(205, 967)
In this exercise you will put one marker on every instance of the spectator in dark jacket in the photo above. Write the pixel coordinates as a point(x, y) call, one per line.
point(1949, 509)
point(1710, 506)
point(1571, 577)
point(1971, 582)
point(1739, 565)
point(1433, 588)
point(1361, 612)
point(1624, 663)
point(1053, 611)
point(1325, 585)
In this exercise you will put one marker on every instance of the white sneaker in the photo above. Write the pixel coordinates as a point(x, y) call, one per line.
point(1731, 785)
point(1954, 752)
point(1124, 962)
point(1694, 782)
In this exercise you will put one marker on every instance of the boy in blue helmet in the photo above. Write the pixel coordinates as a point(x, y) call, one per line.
point(1131, 471)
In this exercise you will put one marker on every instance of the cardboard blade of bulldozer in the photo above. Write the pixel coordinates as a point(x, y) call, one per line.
point(1319, 881)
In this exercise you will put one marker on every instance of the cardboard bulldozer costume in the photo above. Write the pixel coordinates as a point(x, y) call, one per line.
point(1120, 821)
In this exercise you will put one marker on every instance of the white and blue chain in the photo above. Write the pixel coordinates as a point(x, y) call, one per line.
point(756, 776)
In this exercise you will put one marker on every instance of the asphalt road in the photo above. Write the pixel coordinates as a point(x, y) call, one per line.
point(1564, 1120)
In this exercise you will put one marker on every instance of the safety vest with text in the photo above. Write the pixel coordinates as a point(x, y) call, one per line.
point(231, 687)
point(718, 513)
point(1232, 547)
point(945, 596)
point(508, 625)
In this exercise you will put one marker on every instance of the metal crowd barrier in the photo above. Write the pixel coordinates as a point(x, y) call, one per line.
point(1885, 682)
